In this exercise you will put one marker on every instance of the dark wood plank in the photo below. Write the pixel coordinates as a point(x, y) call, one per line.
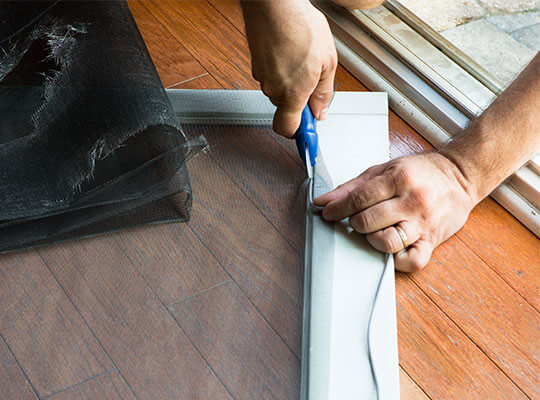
point(176, 63)
point(42, 328)
point(260, 287)
point(439, 357)
point(172, 260)
point(489, 311)
point(266, 173)
point(232, 11)
point(253, 252)
point(246, 353)
point(13, 383)
point(216, 44)
point(141, 337)
point(108, 386)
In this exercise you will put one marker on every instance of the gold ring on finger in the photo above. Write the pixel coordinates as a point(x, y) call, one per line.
point(402, 235)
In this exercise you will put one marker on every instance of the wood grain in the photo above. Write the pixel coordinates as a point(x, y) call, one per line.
point(177, 265)
point(510, 249)
point(175, 64)
point(408, 389)
point(143, 340)
point(258, 258)
point(491, 232)
point(231, 11)
point(439, 357)
point(218, 46)
point(404, 139)
point(42, 328)
point(239, 344)
point(13, 383)
point(266, 173)
point(466, 325)
point(224, 233)
point(488, 311)
point(109, 386)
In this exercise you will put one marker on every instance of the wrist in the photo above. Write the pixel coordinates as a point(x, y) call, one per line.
point(465, 174)
point(454, 169)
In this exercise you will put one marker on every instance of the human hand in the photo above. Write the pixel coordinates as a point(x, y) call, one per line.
point(424, 195)
point(293, 57)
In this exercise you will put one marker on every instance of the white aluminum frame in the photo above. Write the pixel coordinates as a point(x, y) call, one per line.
point(349, 339)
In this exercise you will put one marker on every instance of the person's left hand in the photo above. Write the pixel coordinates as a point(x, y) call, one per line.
point(425, 196)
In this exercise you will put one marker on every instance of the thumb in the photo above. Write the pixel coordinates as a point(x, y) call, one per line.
point(322, 95)
point(287, 119)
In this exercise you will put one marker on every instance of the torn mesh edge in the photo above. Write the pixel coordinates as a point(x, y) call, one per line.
point(61, 40)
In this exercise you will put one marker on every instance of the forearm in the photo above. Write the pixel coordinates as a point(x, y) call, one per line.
point(273, 8)
point(282, 4)
point(502, 139)
point(358, 4)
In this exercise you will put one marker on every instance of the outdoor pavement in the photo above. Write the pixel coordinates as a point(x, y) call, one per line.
point(500, 35)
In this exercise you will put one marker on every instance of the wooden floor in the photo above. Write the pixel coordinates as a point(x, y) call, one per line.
point(211, 309)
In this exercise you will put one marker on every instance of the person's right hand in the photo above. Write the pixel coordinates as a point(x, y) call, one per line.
point(293, 58)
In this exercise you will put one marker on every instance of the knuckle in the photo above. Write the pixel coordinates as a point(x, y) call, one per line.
point(379, 191)
point(361, 222)
point(255, 74)
point(416, 265)
point(290, 95)
point(423, 198)
point(322, 96)
point(358, 199)
point(371, 169)
point(393, 244)
point(282, 93)
point(345, 187)
point(268, 90)
point(332, 61)
point(404, 176)
point(388, 242)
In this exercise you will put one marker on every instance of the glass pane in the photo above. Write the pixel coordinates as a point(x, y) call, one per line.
point(500, 35)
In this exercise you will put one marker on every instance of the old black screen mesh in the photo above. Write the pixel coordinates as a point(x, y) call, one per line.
point(88, 139)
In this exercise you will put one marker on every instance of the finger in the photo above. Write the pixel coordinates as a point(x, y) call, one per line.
point(363, 196)
point(388, 240)
point(343, 190)
point(287, 119)
point(377, 217)
point(415, 258)
point(322, 95)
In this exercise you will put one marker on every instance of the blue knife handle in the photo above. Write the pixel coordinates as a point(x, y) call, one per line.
point(306, 135)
